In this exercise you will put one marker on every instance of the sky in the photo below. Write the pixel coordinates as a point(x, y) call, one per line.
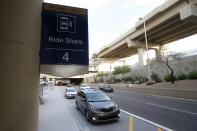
point(109, 19)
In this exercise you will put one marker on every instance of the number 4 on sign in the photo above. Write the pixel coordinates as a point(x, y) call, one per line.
point(65, 57)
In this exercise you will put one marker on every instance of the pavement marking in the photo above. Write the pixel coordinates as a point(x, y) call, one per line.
point(147, 121)
point(131, 123)
point(159, 129)
point(166, 97)
point(171, 108)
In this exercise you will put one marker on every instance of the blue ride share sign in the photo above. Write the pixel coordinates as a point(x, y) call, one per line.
point(64, 35)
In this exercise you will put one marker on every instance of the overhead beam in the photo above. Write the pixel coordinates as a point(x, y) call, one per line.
point(165, 16)
point(166, 31)
point(127, 52)
point(186, 29)
point(170, 22)
point(131, 43)
point(181, 36)
point(189, 13)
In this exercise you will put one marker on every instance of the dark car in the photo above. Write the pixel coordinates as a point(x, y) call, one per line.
point(106, 88)
point(97, 106)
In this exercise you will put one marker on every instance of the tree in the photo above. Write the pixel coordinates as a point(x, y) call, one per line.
point(172, 71)
point(171, 56)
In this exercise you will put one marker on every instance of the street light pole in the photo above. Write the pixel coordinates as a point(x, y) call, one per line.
point(146, 41)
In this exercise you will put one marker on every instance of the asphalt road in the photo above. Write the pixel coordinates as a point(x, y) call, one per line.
point(84, 125)
point(174, 114)
point(58, 113)
point(61, 114)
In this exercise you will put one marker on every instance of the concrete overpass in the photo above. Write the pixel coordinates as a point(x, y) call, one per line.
point(174, 20)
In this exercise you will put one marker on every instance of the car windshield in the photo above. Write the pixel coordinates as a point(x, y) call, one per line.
point(71, 90)
point(97, 97)
point(85, 87)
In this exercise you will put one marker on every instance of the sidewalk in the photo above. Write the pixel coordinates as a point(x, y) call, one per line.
point(54, 115)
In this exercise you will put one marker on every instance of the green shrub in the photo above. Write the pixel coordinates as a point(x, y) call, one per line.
point(121, 69)
point(181, 77)
point(140, 79)
point(102, 74)
point(192, 75)
point(168, 78)
point(129, 78)
point(101, 80)
point(117, 80)
point(155, 78)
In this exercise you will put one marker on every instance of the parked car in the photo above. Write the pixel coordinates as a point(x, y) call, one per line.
point(84, 87)
point(97, 106)
point(70, 92)
point(106, 88)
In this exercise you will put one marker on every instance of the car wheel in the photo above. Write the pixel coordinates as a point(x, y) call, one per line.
point(77, 105)
point(87, 116)
point(118, 119)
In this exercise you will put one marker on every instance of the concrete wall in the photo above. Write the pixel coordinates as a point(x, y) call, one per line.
point(183, 65)
point(19, 67)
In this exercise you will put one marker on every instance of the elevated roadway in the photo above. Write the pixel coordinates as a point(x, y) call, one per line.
point(174, 20)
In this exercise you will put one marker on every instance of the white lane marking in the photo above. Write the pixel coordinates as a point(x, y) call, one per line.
point(171, 108)
point(147, 121)
point(162, 97)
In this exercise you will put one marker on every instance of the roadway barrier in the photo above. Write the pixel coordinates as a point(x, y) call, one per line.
point(137, 123)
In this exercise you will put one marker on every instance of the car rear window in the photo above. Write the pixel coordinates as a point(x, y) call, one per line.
point(71, 90)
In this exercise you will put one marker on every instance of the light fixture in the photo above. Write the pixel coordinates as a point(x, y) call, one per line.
point(146, 42)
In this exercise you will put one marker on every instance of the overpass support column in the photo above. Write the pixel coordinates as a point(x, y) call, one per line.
point(19, 54)
point(158, 53)
point(140, 56)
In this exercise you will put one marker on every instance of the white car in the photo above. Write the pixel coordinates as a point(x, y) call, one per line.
point(70, 92)
point(84, 87)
